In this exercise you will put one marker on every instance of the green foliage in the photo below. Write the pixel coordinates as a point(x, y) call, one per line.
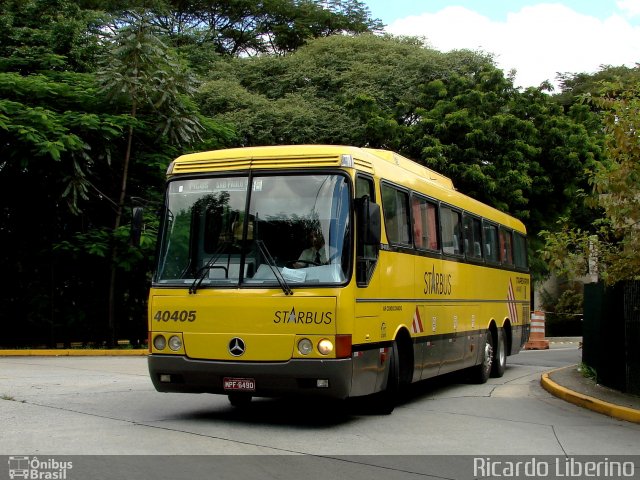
point(139, 69)
point(573, 86)
point(232, 27)
point(454, 112)
point(569, 303)
point(47, 35)
point(568, 250)
point(62, 142)
point(564, 310)
point(52, 119)
point(617, 182)
point(588, 372)
point(203, 30)
point(97, 97)
point(612, 242)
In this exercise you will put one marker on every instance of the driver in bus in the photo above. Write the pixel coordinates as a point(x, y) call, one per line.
point(316, 254)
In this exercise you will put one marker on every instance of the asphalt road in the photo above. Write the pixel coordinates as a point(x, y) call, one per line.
point(96, 406)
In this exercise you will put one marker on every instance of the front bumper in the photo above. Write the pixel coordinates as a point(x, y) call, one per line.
point(272, 379)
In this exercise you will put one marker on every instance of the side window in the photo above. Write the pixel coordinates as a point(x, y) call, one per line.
point(395, 204)
point(506, 247)
point(520, 251)
point(364, 186)
point(366, 255)
point(451, 238)
point(491, 242)
point(425, 224)
point(473, 237)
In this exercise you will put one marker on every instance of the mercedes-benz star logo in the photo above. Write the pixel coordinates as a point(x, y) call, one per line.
point(236, 347)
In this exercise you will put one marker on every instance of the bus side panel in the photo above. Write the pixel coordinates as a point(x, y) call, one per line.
point(368, 372)
point(433, 352)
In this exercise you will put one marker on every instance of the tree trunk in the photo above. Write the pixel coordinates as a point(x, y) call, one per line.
point(111, 314)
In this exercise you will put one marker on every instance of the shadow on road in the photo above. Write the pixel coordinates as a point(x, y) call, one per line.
point(321, 413)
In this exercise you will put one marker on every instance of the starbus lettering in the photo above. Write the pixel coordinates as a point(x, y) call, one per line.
point(436, 283)
point(303, 317)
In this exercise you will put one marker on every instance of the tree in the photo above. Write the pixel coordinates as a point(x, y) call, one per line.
point(82, 151)
point(455, 112)
point(613, 241)
point(62, 143)
point(573, 86)
point(141, 71)
point(247, 27)
point(53, 135)
point(349, 89)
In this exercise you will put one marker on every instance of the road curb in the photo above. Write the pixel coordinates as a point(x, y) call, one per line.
point(84, 352)
point(586, 401)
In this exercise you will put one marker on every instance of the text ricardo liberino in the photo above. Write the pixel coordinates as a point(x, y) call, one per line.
point(559, 467)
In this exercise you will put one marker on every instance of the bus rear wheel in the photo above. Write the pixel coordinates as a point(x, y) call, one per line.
point(499, 361)
point(482, 371)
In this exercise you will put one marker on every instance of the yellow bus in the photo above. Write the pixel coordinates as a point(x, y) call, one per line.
point(329, 271)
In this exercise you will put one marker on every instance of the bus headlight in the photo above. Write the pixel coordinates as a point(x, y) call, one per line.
point(325, 347)
point(305, 347)
point(159, 342)
point(175, 343)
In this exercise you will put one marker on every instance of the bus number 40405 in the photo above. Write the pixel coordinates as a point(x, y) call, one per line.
point(175, 315)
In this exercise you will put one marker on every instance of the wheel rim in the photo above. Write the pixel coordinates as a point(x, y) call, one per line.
point(488, 355)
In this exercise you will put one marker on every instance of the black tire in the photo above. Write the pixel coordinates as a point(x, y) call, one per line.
point(481, 372)
point(240, 400)
point(385, 401)
point(499, 361)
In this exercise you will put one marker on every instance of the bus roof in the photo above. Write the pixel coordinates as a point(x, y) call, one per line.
point(386, 164)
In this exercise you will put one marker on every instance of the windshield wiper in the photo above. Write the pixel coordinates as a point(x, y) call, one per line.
point(274, 267)
point(203, 271)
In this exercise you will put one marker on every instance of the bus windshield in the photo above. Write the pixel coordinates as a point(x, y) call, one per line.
point(258, 231)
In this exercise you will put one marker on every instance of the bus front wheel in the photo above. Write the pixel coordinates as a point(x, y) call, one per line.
point(385, 401)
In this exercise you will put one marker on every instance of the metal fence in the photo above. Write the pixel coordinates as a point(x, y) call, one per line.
point(611, 334)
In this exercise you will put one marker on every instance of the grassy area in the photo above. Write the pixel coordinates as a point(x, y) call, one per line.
point(588, 372)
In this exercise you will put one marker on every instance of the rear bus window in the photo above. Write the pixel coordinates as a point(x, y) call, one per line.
point(520, 251)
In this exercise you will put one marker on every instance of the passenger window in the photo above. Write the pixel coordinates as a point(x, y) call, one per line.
point(473, 237)
point(395, 204)
point(451, 238)
point(506, 248)
point(520, 251)
point(491, 242)
point(425, 224)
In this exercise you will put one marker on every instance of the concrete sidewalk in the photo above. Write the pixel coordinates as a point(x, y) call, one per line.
point(571, 385)
point(74, 352)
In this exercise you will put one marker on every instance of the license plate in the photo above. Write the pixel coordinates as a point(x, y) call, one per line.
point(240, 384)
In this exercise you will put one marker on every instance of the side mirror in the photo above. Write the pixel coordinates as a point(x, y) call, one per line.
point(368, 221)
point(136, 226)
